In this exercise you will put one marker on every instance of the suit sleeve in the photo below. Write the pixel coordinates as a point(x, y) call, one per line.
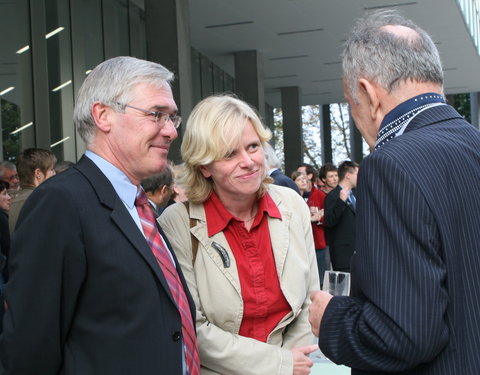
point(397, 319)
point(334, 208)
point(219, 349)
point(47, 266)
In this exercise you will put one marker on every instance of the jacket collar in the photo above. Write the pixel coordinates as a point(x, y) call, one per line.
point(108, 197)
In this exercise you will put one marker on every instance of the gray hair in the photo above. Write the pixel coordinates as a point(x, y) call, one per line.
point(271, 159)
point(112, 83)
point(376, 54)
point(5, 164)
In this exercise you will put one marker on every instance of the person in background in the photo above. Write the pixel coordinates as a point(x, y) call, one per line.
point(5, 201)
point(34, 166)
point(274, 165)
point(414, 307)
point(63, 166)
point(159, 189)
point(316, 204)
point(301, 181)
point(248, 256)
point(311, 173)
point(340, 212)
point(8, 173)
point(328, 175)
point(178, 194)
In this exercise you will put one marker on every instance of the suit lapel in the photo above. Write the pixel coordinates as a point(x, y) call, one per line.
point(120, 216)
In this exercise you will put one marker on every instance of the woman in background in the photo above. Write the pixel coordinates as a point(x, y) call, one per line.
point(245, 247)
point(301, 181)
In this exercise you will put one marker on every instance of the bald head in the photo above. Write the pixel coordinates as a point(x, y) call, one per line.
point(390, 50)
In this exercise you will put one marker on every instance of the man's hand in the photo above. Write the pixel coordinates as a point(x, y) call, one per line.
point(344, 194)
point(320, 301)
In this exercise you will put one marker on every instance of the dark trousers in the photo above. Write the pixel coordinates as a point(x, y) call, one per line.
point(320, 253)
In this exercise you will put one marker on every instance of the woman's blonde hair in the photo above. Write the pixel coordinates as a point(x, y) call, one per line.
point(213, 130)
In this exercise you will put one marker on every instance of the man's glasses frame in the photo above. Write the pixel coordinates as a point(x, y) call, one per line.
point(160, 117)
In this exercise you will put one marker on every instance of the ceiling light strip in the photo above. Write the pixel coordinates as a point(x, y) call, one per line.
point(288, 57)
point(56, 31)
point(391, 5)
point(60, 141)
point(7, 90)
point(228, 24)
point(300, 31)
point(22, 128)
point(22, 50)
point(62, 86)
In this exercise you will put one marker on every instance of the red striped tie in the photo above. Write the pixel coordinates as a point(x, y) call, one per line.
point(168, 268)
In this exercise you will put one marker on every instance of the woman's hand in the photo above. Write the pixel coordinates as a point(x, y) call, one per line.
point(301, 363)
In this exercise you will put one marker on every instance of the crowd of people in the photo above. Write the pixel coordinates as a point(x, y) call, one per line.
point(124, 263)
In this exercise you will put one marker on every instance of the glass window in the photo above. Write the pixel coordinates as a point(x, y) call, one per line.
point(116, 31)
point(196, 77)
point(16, 120)
point(217, 80)
point(207, 76)
point(138, 40)
point(60, 78)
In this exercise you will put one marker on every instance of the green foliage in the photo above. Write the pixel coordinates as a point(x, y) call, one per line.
point(12, 144)
point(462, 105)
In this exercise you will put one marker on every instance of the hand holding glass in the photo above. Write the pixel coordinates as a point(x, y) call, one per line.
point(337, 283)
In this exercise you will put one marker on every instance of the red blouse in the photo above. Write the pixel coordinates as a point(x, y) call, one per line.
point(264, 304)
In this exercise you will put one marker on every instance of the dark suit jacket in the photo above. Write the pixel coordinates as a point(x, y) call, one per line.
point(86, 295)
point(340, 223)
point(280, 179)
point(416, 268)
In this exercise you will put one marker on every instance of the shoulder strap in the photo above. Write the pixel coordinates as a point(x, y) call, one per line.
point(193, 222)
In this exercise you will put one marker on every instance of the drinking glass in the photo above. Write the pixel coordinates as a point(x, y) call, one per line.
point(337, 283)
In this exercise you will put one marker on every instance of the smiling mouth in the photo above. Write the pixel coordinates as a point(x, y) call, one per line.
point(251, 174)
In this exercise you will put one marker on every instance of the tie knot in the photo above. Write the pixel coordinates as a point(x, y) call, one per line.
point(141, 198)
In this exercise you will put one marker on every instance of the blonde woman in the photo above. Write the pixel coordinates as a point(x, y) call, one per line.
point(245, 247)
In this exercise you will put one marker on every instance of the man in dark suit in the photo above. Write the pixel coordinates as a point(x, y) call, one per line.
point(86, 294)
point(414, 308)
point(159, 189)
point(340, 217)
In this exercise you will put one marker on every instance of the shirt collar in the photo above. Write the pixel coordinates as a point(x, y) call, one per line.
point(399, 117)
point(122, 185)
point(218, 217)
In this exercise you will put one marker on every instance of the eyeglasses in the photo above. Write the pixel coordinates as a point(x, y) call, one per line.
point(160, 117)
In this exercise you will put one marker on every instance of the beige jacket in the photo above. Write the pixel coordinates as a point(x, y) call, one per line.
point(218, 298)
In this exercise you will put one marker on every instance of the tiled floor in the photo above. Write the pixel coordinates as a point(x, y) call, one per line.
point(323, 366)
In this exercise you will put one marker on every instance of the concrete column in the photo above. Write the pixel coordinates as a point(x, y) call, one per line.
point(249, 79)
point(292, 128)
point(326, 134)
point(356, 142)
point(268, 119)
point(474, 109)
point(168, 43)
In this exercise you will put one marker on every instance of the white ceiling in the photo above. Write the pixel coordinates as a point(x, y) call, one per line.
point(311, 60)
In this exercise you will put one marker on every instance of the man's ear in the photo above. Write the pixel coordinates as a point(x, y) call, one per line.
point(38, 173)
point(101, 114)
point(370, 92)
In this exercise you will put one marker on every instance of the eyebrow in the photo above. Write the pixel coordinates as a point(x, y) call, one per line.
point(158, 108)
